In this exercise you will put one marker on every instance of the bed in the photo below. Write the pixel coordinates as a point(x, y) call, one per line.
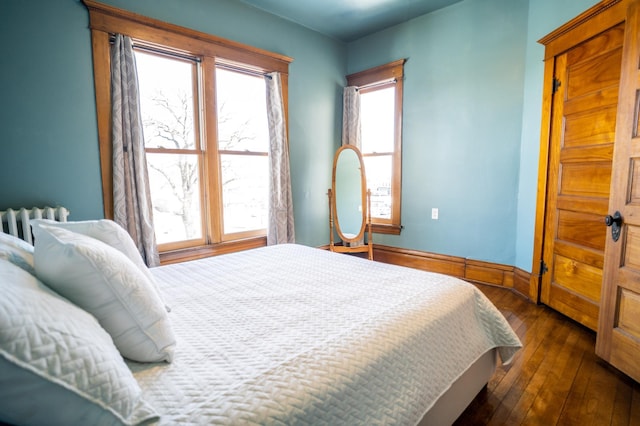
point(290, 334)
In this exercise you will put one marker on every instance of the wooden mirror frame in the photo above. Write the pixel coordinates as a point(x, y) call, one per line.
point(353, 244)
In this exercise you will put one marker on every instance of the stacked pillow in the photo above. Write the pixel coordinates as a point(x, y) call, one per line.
point(106, 283)
point(57, 364)
point(70, 308)
point(109, 233)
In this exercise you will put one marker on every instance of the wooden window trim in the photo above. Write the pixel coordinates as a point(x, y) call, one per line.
point(387, 72)
point(197, 151)
point(105, 20)
point(183, 255)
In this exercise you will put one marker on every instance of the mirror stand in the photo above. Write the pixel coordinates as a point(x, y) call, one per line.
point(350, 204)
point(346, 246)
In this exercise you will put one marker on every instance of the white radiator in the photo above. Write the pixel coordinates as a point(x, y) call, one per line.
point(16, 222)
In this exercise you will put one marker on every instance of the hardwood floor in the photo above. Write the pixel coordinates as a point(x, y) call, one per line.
point(556, 379)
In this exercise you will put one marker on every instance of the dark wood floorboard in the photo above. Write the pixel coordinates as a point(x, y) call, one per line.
point(556, 379)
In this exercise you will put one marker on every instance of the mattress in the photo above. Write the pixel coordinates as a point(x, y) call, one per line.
point(289, 334)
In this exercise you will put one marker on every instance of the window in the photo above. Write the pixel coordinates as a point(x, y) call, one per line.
point(168, 104)
point(381, 140)
point(377, 107)
point(169, 98)
point(243, 144)
point(203, 105)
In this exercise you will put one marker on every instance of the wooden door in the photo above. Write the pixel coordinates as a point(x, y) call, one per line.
point(583, 118)
point(618, 340)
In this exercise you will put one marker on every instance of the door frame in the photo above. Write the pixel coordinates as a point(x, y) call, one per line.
point(595, 20)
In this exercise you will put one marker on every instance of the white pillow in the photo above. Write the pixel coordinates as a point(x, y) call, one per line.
point(17, 251)
point(111, 234)
point(57, 365)
point(105, 283)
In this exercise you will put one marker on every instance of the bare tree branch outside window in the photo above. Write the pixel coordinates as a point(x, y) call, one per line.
point(175, 159)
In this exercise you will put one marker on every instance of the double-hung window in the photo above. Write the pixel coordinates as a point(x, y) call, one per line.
point(169, 104)
point(204, 112)
point(243, 144)
point(380, 91)
point(170, 95)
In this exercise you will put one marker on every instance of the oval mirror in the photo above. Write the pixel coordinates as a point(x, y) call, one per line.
point(349, 187)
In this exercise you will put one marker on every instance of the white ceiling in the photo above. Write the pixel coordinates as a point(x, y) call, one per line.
point(349, 20)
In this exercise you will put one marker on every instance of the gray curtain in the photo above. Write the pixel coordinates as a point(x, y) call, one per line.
point(280, 227)
point(351, 128)
point(131, 195)
point(351, 134)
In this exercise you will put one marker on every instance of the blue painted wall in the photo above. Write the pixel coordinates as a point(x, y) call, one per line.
point(462, 115)
point(471, 115)
point(48, 141)
point(49, 146)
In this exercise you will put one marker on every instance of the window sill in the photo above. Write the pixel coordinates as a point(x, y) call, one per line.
point(192, 253)
point(379, 228)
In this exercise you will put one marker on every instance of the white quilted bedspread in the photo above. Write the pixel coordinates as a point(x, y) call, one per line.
point(293, 335)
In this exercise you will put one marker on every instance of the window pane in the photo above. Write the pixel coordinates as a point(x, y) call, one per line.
point(245, 185)
point(166, 101)
point(175, 195)
point(242, 112)
point(378, 171)
point(377, 115)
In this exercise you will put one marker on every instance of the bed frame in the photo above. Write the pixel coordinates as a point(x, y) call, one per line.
point(444, 412)
point(455, 400)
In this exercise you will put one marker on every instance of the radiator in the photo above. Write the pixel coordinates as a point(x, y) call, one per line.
point(16, 222)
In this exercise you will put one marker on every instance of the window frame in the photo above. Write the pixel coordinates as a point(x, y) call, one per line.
point(198, 150)
point(211, 51)
point(238, 153)
point(372, 79)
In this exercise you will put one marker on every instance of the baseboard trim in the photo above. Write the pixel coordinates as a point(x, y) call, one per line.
point(478, 271)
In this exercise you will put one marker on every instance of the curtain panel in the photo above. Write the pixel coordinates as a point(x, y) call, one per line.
point(351, 133)
point(280, 228)
point(131, 194)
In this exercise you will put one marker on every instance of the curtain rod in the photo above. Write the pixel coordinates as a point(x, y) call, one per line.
point(170, 53)
point(159, 51)
point(377, 83)
point(249, 71)
point(166, 52)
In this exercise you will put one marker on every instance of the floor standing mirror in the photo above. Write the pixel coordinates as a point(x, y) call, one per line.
point(349, 204)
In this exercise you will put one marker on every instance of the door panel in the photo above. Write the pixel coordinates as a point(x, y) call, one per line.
point(574, 306)
point(606, 41)
point(593, 73)
point(602, 98)
point(578, 277)
point(634, 196)
point(587, 256)
point(584, 111)
point(592, 128)
point(630, 312)
point(583, 229)
point(618, 339)
point(599, 207)
point(584, 176)
point(632, 252)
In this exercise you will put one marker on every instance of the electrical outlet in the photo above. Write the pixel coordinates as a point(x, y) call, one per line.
point(434, 213)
